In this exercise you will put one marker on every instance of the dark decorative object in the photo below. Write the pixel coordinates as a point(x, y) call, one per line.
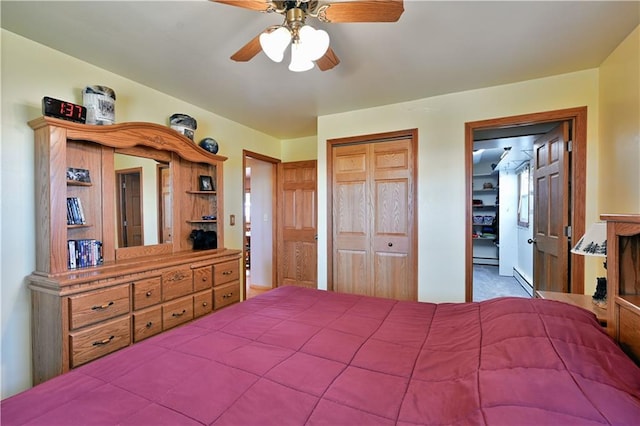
point(206, 183)
point(183, 124)
point(600, 296)
point(209, 144)
point(204, 240)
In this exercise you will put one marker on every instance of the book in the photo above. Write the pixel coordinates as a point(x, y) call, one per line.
point(75, 213)
point(84, 253)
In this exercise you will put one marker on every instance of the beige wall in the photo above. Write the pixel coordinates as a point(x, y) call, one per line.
point(29, 72)
point(299, 149)
point(619, 183)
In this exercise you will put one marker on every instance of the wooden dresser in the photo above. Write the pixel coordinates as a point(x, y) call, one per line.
point(623, 281)
point(137, 290)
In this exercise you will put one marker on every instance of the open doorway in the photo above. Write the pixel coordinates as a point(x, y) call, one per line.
point(259, 207)
point(503, 210)
point(501, 237)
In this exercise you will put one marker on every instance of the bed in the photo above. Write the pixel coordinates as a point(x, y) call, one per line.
point(296, 356)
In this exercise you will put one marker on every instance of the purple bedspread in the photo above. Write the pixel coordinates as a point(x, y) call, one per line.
point(296, 356)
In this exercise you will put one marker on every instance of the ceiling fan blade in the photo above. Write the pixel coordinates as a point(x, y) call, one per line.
point(362, 11)
point(328, 61)
point(260, 6)
point(248, 51)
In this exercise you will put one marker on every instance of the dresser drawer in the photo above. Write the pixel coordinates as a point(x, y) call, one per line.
point(177, 312)
point(176, 283)
point(202, 303)
point(226, 272)
point(629, 332)
point(147, 323)
point(146, 292)
point(100, 340)
point(202, 278)
point(96, 306)
point(226, 295)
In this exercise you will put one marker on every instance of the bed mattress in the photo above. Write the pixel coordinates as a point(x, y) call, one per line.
point(296, 356)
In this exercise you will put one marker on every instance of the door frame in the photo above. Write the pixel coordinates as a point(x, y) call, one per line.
point(274, 196)
point(372, 138)
point(577, 177)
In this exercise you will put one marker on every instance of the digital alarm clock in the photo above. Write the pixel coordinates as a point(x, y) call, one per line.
point(65, 110)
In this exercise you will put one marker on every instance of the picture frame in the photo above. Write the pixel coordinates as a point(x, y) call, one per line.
point(206, 183)
point(78, 175)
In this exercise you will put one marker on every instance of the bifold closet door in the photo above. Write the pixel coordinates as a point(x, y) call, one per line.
point(373, 219)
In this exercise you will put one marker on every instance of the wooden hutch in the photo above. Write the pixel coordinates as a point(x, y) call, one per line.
point(80, 314)
point(623, 281)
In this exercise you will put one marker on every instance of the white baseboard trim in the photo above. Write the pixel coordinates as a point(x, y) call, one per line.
point(523, 281)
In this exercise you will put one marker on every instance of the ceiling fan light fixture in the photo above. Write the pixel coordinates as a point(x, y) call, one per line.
point(299, 60)
point(314, 42)
point(274, 43)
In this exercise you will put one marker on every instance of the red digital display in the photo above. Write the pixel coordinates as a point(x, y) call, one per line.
point(62, 109)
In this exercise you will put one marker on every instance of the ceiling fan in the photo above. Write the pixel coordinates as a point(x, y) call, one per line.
point(308, 45)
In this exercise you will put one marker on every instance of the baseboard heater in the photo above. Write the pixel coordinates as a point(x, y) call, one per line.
point(523, 281)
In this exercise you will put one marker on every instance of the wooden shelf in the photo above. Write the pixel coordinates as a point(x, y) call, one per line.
point(77, 183)
point(202, 221)
point(202, 192)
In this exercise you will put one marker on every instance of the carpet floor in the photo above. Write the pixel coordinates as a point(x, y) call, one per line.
point(488, 284)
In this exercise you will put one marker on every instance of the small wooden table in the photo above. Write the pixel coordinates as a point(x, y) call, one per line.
point(582, 300)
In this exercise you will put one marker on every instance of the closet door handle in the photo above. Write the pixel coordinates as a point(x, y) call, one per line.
point(532, 241)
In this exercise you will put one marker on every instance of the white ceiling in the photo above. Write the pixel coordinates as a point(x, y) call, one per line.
point(182, 48)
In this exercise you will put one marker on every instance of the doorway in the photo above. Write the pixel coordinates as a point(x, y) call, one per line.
point(259, 223)
point(500, 134)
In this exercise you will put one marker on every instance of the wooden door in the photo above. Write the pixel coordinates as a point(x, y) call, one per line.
point(551, 211)
point(130, 230)
point(351, 237)
point(373, 221)
point(297, 235)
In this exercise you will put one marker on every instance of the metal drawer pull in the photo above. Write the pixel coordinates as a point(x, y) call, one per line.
point(149, 294)
point(149, 324)
point(104, 342)
point(229, 272)
point(224, 296)
point(204, 303)
point(179, 314)
point(101, 307)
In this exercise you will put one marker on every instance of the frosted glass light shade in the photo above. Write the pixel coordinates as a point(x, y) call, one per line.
point(314, 42)
point(594, 241)
point(299, 60)
point(274, 43)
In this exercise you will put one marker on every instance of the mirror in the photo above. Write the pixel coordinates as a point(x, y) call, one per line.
point(143, 199)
